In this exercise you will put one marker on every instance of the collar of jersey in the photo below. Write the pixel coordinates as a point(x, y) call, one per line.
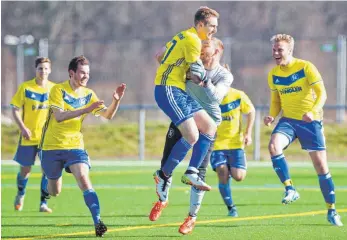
point(288, 66)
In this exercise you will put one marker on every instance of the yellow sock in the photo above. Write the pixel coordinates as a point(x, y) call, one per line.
point(288, 183)
point(331, 205)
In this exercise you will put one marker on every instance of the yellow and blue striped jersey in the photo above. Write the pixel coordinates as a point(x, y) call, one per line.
point(32, 99)
point(67, 134)
point(294, 86)
point(181, 51)
point(229, 132)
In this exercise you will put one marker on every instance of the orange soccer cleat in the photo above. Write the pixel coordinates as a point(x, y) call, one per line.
point(157, 209)
point(188, 225)
point(19, 202)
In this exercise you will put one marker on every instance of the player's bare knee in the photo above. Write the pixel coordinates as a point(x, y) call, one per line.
point(192, 138)
point(210, 129)
point(238, 174)
point(239, 177)
point(274, 148)
point(25, 171)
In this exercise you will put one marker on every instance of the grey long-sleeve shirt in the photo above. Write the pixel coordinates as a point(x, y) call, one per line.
point(211, 96)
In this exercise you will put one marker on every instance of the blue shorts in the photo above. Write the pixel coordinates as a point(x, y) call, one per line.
point(26, 155)
point(310, 135)
point(175, 103)
point(54, 161)
point(235, 158)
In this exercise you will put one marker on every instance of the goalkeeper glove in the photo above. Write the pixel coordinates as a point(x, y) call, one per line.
point(198, 70)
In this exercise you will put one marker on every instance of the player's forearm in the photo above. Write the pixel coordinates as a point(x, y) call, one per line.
point(17, 118)
point(111, 110)
point(320, 91)
point(216, 93)
point(250, 121)
point(61, 116)
point(275, 104)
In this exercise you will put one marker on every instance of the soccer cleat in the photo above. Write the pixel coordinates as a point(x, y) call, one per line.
point(100, 229)
point(290, 196)
point(194, 180)
point(162, 186)
point(334, 218)
point(157, 209)
point(188, 225)
point(233, 212)
point(19, 202)
point(45, 208)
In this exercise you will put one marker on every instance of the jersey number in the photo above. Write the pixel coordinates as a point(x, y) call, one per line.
point(169, 50)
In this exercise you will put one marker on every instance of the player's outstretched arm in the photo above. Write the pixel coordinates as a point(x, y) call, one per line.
point(275, 108)
point(61, 115)
point(117, 97)
point(26, 133)
point(249, 127)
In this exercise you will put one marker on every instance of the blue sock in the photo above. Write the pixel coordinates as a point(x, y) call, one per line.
point(200, 150)
point(178, 152)
point(225, 191)
point(92, 202)
point(280, 166)
point(21, 184)
point(44, 191)
point(327, 187)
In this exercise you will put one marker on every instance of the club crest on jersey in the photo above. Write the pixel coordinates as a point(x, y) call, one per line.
point(171, 133)
point(295, 77)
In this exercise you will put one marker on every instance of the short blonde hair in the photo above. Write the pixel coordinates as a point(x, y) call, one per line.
point(283, 37)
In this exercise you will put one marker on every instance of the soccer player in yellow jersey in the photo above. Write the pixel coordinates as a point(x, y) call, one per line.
point(298, 90)
point(228, 157)
point(62, 140)
point(29, 110)
point(196, 126)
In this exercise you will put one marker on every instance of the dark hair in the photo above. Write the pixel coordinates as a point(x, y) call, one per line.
point(203, 14)
point(41, 60)
point(77, 60)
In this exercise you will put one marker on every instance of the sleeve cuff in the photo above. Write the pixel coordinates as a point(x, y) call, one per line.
point(53, 106)
point(315, 82)
point(14, 106)
point(97, 112)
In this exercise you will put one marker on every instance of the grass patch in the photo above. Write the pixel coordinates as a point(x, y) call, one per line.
point(121, 140)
